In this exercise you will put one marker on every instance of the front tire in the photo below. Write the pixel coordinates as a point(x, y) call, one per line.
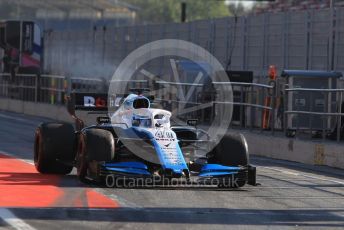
point(232, 150)
point(95, 145)
point(53, 142)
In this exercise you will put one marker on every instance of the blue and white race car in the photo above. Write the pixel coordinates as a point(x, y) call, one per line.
point(136, 142)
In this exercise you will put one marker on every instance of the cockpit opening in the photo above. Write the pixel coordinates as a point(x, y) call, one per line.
point(140, 103)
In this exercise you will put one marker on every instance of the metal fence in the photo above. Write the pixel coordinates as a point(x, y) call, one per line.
point(256, 105)
point(46, 88)
point(30, 87)
point(331, 121)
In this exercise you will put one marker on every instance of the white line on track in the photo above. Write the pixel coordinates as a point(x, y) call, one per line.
point(303, 175)
point(13, 221)
point(6, 214)
point(16, 157)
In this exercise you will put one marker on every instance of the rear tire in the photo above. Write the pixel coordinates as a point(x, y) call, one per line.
point(95, 145)
point(53, 142)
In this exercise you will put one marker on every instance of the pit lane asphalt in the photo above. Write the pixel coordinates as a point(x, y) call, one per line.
point(291, 196)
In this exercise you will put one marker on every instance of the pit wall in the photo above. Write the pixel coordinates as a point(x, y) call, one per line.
point(36, 109)
point(293, 149)
point(303, 151)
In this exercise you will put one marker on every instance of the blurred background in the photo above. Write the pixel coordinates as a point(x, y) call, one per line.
point(46, 44)
point(82, 14)
point(100, 33)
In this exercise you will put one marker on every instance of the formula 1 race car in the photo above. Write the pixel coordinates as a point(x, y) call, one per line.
point(138, 141)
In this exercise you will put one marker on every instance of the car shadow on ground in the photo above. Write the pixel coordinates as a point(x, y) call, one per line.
point(19, 178)
point(71, 181)
point(189, 215)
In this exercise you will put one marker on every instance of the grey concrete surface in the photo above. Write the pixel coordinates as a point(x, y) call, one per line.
point(291, 196)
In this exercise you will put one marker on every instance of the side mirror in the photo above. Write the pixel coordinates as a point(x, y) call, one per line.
point(192, 122)
point(151, 98)
point(103, 120)
point(161, 119)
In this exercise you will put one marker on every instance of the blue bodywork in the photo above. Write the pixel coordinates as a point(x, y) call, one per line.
point(213, 170)
point(177, 168)
point(140, 169)
point(134, 168)
point(175, 165)
point(166, 164)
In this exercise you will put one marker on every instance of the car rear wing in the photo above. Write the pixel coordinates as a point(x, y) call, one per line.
point(95, 103)
point(87, 102)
